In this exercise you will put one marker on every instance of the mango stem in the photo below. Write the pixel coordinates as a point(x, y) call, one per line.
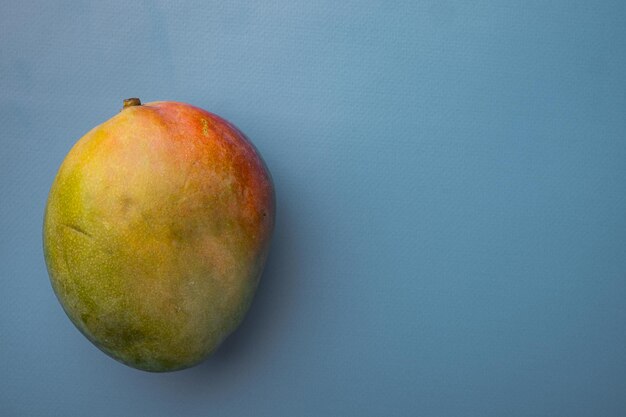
point(129, 102)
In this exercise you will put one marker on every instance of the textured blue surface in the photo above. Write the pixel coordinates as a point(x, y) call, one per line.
point(451, 180)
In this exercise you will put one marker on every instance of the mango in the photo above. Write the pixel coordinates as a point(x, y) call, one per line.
point(156, 231)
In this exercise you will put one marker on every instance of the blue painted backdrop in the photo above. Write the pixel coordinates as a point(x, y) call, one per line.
point(451, 180)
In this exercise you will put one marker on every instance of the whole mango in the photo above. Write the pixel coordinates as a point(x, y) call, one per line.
point(156, 231)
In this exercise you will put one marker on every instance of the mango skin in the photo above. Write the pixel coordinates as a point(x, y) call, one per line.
point(156, 230)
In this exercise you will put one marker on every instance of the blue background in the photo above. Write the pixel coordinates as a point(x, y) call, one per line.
point(451, 178)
